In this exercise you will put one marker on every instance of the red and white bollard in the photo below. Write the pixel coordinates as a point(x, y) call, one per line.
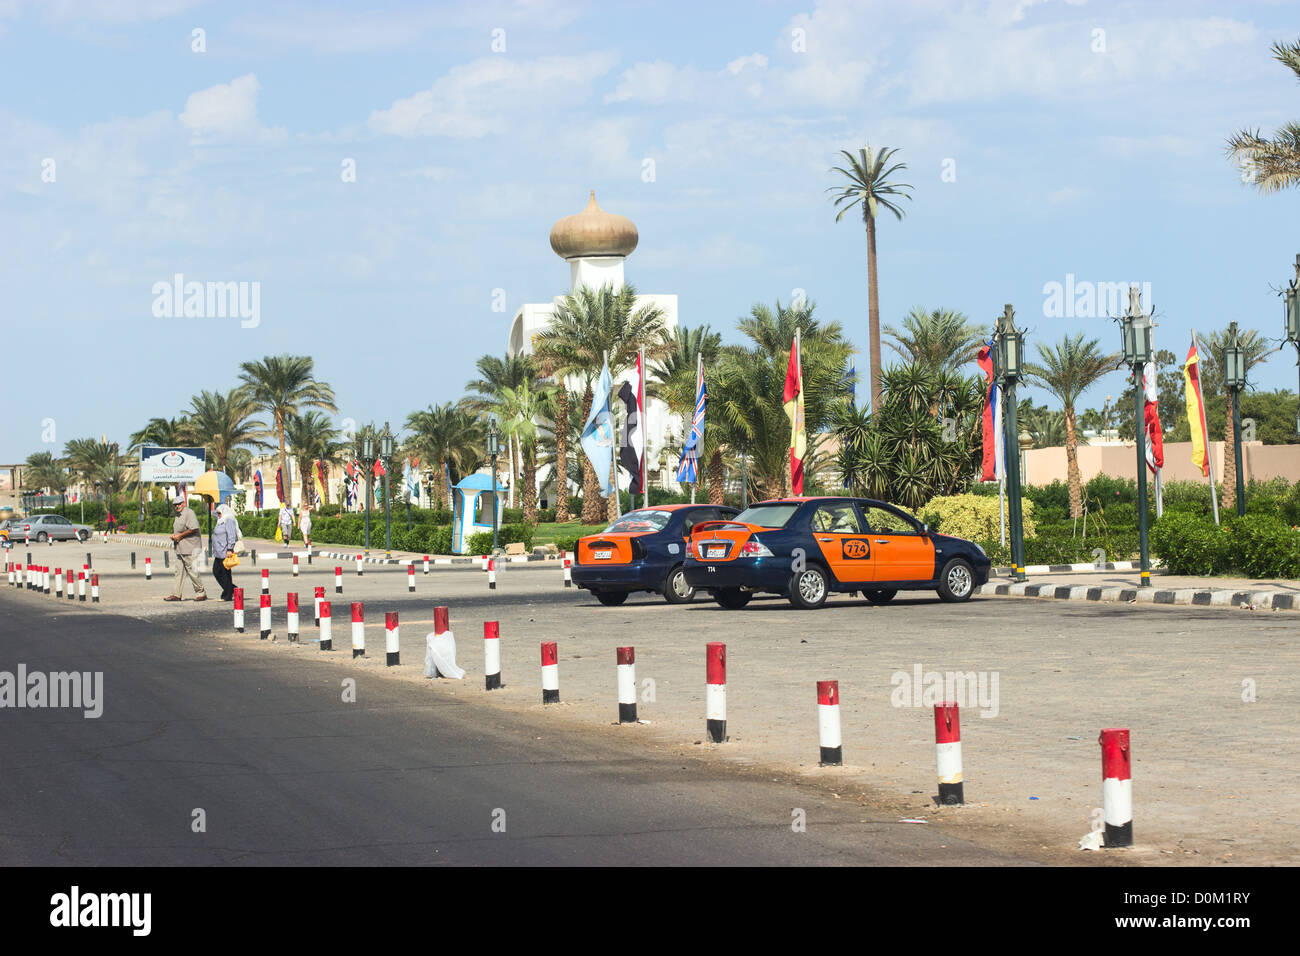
point(264, 621)
point(568, 572)
point(94, 589)
point(58, 582)
point(550, 673)
point(291, 616)
point(492, 574)
point(338, 580)
point(81, 586)
point(1117, 786)
point(715, 699)
point(392, 640)
point(484, 559)
point(72, 594)
point(410, 578)
point(320, 596)
point(266, 580)
point(358, 565)
point(45, 579)
point(239, 610)
point(626, 659)
point(947, 744)
point(828, 723)
point(426, 564)
point(295, 565)
point(358, 629)
point(326, 628)
point(9, 567)
point(148, 568)
point(491, 655)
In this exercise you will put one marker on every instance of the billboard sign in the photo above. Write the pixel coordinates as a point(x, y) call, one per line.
point(168, 466)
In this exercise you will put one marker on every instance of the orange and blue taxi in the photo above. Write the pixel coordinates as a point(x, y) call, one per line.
point(808, 548)
point(642, 551)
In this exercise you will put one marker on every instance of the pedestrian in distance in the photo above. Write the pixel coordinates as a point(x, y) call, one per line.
point(286, 522)
point(304, 525)
point(225, 543)
point(187, 541)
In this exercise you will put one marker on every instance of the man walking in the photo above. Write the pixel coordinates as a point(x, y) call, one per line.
point(286, 521)
point(187, 540)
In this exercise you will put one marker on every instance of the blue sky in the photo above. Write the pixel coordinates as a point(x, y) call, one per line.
point(1097, 154)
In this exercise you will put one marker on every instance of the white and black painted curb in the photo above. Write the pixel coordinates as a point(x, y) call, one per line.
point(1197, 597)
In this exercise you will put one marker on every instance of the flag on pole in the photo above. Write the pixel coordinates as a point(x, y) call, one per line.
point(1151, 415)
point(688, 468)
point(413, 478)
point(279, 484)
point(794, 411)
point(320, 480)
point(850, 384)
point(380, 471)
point(631, 446)
point(1196, 410)
point(257, 490)
point(598, 435)
point(989, 431)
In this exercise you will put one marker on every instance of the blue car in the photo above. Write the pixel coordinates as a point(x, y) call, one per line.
point(642, 551)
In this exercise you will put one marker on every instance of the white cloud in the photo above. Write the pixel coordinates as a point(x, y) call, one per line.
point(226, 111)
point(482, 96)
point(756, 60)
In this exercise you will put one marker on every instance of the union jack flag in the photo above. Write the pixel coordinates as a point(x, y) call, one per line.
point(688, 467)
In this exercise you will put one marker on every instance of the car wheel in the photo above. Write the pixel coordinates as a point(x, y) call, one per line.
point(676, 590)
point(879, 597)
point(957, 582)
point(42, 537)
point(808, 588)
point(611, 598)
point(733, 599)
point(83, 535)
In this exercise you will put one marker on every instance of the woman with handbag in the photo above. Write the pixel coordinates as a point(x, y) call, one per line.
point(225, 542)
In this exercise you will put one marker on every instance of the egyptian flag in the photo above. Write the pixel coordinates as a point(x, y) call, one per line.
point(989, 436)
point(257, 490)
point(279, 485)
point(1196, 410)
point(1151, 413)
point(793, 398)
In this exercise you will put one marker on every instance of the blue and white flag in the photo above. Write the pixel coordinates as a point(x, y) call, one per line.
point(688, 469)
point(598, 435)
point(850, 383)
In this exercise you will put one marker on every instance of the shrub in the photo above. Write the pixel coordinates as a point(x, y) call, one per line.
point(1186, 544)
point(1055, 495)
point(974, 517)
point(1264, 546)
point(481, 543)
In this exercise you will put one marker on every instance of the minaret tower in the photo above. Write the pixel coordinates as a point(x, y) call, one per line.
point(594, 243)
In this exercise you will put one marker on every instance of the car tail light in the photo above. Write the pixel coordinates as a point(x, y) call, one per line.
point(755, 549)
point(638, 549)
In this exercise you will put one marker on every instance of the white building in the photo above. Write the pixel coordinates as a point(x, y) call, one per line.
point(596, 244)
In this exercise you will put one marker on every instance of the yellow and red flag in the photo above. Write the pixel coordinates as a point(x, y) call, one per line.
point(794, 410)
point(1196, 410)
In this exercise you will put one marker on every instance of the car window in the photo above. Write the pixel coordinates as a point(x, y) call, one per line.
point(768, 516)
point(641, 521)
point(884, 521)
point(837, 519)
point(58, 519)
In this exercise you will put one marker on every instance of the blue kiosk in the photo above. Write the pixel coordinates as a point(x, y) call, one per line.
point(472, 509)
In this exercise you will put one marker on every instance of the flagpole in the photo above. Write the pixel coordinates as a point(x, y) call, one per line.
point(699, 370)
point(1209, 454)
point(643, 427)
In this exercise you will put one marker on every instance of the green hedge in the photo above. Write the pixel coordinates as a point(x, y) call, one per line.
point(481, 543)
point(1259, 546)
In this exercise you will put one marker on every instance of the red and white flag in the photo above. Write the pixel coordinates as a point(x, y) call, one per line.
point(1151, 414)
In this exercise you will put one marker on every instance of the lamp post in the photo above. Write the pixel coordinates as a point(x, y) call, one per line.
point(386, 453)
point(1136, 332)
point(1009, 355)
point(493, 449)
point(1234, 379)
point(368, 461)
point(1293, 323)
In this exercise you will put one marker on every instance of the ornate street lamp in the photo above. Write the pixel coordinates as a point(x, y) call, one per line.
point(1136, 331)
point(493, 449)
point(1293, 322)
point(386, 454)
point(1234, 380)
point(368, 461)
point(1008, 361)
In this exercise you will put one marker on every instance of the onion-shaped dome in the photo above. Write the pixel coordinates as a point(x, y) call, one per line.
point(593, 232)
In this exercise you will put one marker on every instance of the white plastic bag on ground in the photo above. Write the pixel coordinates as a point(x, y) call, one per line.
point(440, 656)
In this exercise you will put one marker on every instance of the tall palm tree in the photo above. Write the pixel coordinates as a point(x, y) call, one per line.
point(520, 410)
point(1274, 163)
point(1255, 349)
point(1067, 370)
point(496, 374)
point(282, 385)
point(87, 457)
point(587, 326)
point(449, 435)
point(673, 380)
point(163, 432)
point(868, 176)
point(221, 421)
point(313, 437)
point(941, 339)
point(43, 470)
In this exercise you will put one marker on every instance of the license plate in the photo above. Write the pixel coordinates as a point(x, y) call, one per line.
point(602, 555)
point(716, 551)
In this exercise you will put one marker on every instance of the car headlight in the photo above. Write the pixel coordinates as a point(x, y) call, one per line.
point(979, 549)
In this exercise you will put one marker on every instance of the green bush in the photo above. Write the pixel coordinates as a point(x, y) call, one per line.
point(1055, 495)
point(970, 516)
point(481, 543)
point(1186, 544)
point(1264, 546)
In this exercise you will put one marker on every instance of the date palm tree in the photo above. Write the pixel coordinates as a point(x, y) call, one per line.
point(869, 184)
point(1067, 370)
point(313, 437)
point(449, 435)
point(283, 385)
point(221, 421)
point(588, 325)
point(941, 339)
point(521, 409)
point(163, 432)
point(43, 470)
point(1272, 164)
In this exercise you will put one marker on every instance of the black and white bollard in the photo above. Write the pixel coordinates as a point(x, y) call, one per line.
point(94, 588)
point(568, 573)
point(320, 596)
point(426, 564)
point(1117, 786)
point(550, 673)
point(626, 659)
point(81, 586)
point(239, 610)
point(828, 723)
point(266, 580)
point(392, 640)
point(715, 699)
point(338, 580)
point(295, 565)
point(492, 574)
point(491, 655)
point(265, 616)
point(326, 627)
point(148, 568)
point(291, 616)
point(358, 629)
point(410, 578)
point(947, 743)
point(89, 562)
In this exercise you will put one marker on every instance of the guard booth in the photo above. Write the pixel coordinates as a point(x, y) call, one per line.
point(472, 509)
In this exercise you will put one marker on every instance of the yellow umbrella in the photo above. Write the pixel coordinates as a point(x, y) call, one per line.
point(214, 485)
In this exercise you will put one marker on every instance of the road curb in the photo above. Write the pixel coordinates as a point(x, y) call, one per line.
point(288, 555)
point(1197, 597)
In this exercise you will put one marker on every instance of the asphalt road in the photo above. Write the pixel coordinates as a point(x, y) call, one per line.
point(286, 772)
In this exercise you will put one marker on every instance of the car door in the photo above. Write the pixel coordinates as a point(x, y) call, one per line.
point(842, 540)
point(61, 528)
point(903, 552)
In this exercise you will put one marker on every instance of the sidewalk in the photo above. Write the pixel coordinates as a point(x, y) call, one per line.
point(1118, 586)
point(262, 549)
